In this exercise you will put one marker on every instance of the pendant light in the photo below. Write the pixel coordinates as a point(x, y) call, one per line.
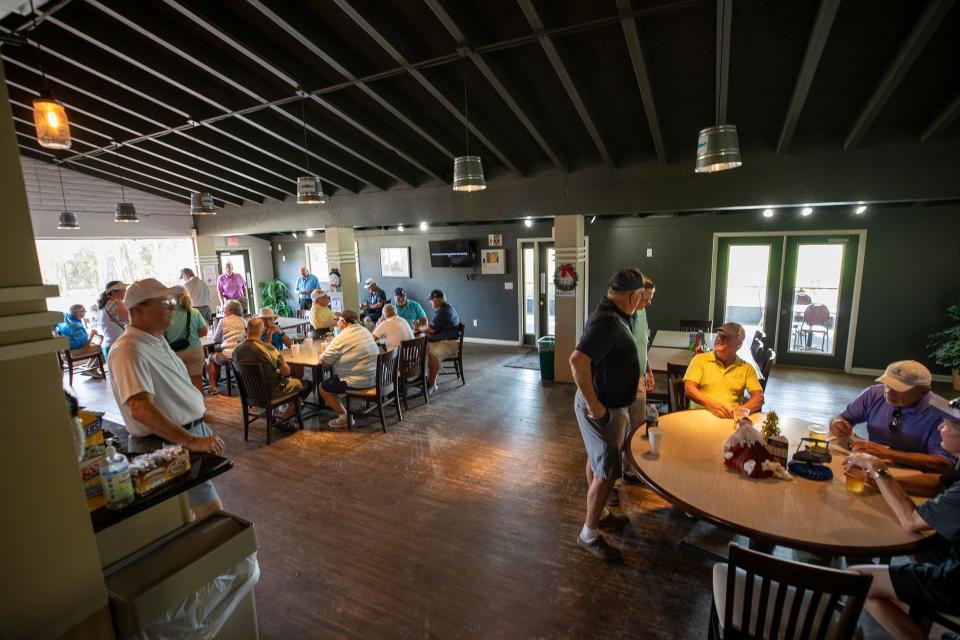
point(309, 188)
point(124, 211)
point(49, 116)
point(201, 202)
point(66, 219)
point(718, 147)
point(467, 169)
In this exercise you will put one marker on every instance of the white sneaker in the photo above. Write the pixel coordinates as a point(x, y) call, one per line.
point(340, 422)
point(432, 390)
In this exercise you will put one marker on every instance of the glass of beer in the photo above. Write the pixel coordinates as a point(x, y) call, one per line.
point(818, 432)
point(855, 480)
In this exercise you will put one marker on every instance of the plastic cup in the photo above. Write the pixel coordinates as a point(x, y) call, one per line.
point(739, 413)
point(295, 348)
point(818, 432)
point(656, 439)
point(855, 481)
point(308, 344)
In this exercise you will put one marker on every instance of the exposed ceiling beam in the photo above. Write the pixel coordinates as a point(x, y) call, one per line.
point(561, 70)
point(943, 121)
point(30, 24)
point(632, 35)
point(498, 86)
point(808, 69)
point(921, 33)
point(377, 37)
point(724, 22)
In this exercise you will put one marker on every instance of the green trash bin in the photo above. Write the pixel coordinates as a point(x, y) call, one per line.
point(546, 345)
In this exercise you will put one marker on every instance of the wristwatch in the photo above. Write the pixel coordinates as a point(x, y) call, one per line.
point(882, 472)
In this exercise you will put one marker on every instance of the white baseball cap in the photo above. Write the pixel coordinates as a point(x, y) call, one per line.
point(905, 375)
point(368, 282)
point(149, 289)
point(267, 312)
point(946, 408)
point(319, 293)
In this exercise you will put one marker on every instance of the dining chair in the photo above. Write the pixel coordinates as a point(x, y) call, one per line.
point(766, 362)
point(696, 325)
point(413, 368)
point(677, 398)
point(255, 394)
point(815, 319)
point(88, 360)
point(456, 360)
point(379, 394)
point(757, 596)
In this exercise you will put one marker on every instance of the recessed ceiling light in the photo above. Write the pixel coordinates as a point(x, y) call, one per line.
point(806, 211)
point(424, 226)
point(528, 222)
point(399, 227)
point(860, 209)
point(768, 213)
point(294, 234)
point(593, 219)
point(309, 233)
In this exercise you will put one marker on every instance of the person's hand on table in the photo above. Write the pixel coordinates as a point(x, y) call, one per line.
point(208, 444)
point(864, 461)
point(867, 447)
point(719, 409)
point(842, 428)
point(650, 381)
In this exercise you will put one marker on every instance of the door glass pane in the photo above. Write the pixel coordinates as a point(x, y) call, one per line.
point(746, 288)
point(236, 259)
point(529, 291)
point(816, 290)
point(551, 293)
point(317, 260)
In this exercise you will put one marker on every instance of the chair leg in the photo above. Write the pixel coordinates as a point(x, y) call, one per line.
point(349, 414)
point(229, 369)
point(269, 417)
point(423, 389)
point(70, 369)
point(246, 422)
point(463, 378)
point(299, 412)
point(396, 399)
point(383, 413)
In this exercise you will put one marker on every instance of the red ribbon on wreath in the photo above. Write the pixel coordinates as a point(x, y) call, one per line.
point(565, 278)
point(567, 270)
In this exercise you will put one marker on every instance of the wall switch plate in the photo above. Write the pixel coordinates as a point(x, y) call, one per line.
point(649, 252)
point(474, 322)
point(508, 286)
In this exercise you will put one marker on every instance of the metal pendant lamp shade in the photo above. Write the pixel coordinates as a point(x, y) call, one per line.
point(310, 191)
point(68, 220)
point(718, 149)
point(50, 120)
point(125, 212)
point(201, 204)
point(468, 174)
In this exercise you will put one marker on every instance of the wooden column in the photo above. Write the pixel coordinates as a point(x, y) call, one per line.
point(53, 586)
point(569, 247)
point(342, 254)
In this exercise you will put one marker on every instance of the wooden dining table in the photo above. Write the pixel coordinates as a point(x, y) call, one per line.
point(822, 517)
point(308, 357)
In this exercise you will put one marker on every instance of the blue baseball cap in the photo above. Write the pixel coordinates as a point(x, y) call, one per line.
point(399, 291)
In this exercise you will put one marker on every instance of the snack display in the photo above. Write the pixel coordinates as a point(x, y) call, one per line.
point(93, 457)
point(152, 470)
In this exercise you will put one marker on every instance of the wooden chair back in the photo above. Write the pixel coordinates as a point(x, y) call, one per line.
point(816, 315)
point(676, 397)
point(837, 596)
point(696, 325)
point(769, 356)
point(387, 363)
point(413, 358)
point(253, 385)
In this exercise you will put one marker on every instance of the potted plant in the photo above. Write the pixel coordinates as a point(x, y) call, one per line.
point(946, 345)
point(274, 294)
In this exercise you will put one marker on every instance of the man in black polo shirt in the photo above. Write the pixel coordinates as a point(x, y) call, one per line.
point(606, 369)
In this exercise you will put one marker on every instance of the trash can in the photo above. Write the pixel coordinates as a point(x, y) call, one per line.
point(196, 582)
point(546, 346)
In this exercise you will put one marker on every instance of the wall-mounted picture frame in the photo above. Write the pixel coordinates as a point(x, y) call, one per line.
point(493, 262)
point(395, 262)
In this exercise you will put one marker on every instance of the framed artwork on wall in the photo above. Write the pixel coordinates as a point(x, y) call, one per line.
point(395, 262)
point(492, 262)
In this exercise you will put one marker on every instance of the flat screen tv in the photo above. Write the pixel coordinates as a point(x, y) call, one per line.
point(453, 253)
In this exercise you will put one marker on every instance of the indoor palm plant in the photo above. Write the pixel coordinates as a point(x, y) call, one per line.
point(273, 294)
point(946, 345)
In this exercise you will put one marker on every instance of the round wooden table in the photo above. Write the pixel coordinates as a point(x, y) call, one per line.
point(822, 517)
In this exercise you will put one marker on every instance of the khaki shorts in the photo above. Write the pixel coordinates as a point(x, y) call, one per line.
point(193, 358)
point(444, 349)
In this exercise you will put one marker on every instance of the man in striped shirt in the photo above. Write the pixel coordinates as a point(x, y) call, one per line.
point(353, 357)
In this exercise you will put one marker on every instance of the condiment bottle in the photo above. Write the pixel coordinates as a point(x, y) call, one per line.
point(115, 478)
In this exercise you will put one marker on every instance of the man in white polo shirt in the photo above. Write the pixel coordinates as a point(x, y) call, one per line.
point(152, 388)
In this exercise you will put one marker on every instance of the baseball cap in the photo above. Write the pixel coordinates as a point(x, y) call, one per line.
point(148, 289)
point(733, 330)
point(436, 293)
point(629, 279)
point(947, 408)
point(905, 375)
point(117, 287)
point(267, 312)
point(368, 282)
point(399, 291)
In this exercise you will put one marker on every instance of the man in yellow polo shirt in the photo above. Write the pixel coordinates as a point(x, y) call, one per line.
point(716, 380)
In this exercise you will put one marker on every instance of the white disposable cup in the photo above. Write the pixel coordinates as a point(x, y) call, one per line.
point(308, 344)
point(656, 439)
point(296, 350)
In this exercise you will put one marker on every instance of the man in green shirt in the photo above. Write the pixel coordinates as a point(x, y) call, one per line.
point(640, 330)
point(277, 372)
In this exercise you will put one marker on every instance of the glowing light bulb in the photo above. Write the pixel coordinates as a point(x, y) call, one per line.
point(424, 226)
point(768, 213)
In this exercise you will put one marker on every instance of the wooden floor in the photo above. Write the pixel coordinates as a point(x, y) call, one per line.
point(461, 521)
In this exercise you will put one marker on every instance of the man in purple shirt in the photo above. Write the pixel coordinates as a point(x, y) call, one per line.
point(901, 425)
point(232, 286)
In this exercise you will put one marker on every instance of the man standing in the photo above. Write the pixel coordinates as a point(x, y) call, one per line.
point(199, 293)
point(716, 380)
point(232, 286)
point(443, 336)
point(606, 370)
point(640, 330)
point(307, 283)
point(256, 350)
point(228, 334)
point(353, 357)
point(409, 310)
point(372, 309)
point(901, 425)
point(153, 390)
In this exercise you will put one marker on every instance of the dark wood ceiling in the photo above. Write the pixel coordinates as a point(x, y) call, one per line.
point(551, 85)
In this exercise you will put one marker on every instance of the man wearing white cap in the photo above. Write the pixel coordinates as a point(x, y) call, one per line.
point(901, 425)
point(153, 389)
point(376, 298)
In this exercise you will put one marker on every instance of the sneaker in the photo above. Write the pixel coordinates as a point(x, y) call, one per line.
point(432, 390)
point(279, 410)
point(601, 549)
point(613, 521)
point(340, 422)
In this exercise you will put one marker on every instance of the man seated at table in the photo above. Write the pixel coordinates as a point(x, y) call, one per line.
point(901, 425)
point(409, 310)
point(322, 317)
point(272, 333)
point(393, 330)
point(372, 309)
point(81, 340)
point(443, 336)
point(229, 332)
point(352, 355)
point(255, 350)
point(932, 582)
point(717, 379)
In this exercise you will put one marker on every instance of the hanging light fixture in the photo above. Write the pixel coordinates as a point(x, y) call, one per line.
point(49, 116)
point(66, 219)
point(201, 202)
point(124, 211)
point(309, 188)
point(718, 147)
point(467, 169)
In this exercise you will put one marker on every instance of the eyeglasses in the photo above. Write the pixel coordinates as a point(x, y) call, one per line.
point(166, 302)
point(895, 419)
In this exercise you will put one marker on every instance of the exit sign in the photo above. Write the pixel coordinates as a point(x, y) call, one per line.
point(233, 241)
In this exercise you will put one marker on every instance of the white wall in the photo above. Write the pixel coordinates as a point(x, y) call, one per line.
point(93, 200)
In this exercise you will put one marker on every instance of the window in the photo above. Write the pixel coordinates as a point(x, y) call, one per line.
point(317, 261)
point(81, 268)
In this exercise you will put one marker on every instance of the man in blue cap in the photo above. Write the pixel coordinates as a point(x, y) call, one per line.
point(409, 310)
